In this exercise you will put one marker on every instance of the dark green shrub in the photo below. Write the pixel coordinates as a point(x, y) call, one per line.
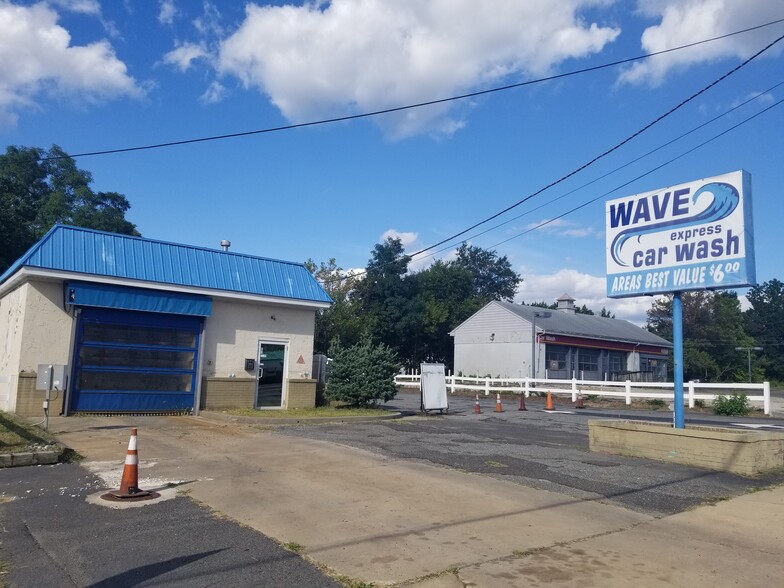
point(362, 375)
point(734, 405)
point(656, 403)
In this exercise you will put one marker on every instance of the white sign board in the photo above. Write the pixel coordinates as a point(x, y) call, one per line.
point(692, 236)
point(433, 383)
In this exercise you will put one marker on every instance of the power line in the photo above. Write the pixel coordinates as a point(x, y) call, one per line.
point(658, 167)
point(604, 154)
point(605, 194)
point(409, 106)
point(627, 164)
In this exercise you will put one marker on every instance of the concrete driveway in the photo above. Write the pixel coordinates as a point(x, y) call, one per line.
point(390, 520)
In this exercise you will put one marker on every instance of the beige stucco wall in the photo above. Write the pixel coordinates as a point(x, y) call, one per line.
point(34, 329)
point(11, 322)
point(234, 329)
point(46, 337)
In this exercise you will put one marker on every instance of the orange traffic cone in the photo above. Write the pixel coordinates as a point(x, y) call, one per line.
point(477, 408)
point(129, 485)
point(498, 407)
point(522, 402)
point(549, 404)
point(580, 401)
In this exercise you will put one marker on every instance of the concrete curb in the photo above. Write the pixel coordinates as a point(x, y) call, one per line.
point(29, 458)
point(252, 420)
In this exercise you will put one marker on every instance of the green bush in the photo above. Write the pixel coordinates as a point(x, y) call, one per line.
point(362, 375)
point(656, 403)
point(734, 405)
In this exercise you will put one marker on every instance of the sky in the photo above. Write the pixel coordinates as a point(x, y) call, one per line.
point(92, 76)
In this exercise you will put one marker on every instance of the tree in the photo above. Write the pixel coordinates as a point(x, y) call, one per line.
point(362, 375)
point(447, 298)
point(712, 328)
point(493, 277)
point(412, 313)
point(339, 321)
point(386, 300)
point(39, 189)
point(765, 323)
point(23, 189)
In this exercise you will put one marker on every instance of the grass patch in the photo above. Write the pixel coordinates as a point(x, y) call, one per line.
point(18, 435)
point(308, 413)
point(294, 546)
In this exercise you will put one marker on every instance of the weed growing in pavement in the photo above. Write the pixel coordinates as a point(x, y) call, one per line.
point(294, 546)
point(733, 405)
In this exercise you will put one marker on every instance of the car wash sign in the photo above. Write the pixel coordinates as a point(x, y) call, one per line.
point(688, 237)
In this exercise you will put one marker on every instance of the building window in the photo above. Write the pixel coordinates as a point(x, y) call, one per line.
point(588, 360)
point(556, 359)
point(617, 363)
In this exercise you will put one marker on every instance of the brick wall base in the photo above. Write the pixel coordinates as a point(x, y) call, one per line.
point(302, 393)
point(221, 393)
point(30, 402)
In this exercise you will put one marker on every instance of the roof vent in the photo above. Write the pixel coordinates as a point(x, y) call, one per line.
point(225, 244)
point(566, 304)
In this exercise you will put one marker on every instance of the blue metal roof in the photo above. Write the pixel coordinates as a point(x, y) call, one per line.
point(91, 252)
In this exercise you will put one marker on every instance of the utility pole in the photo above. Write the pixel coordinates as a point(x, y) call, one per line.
point(749, 350)
point(536, 314)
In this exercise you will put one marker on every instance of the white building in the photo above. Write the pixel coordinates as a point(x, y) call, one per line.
point(497, 341)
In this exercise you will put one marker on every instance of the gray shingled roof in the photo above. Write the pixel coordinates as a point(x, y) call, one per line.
point(586, 325)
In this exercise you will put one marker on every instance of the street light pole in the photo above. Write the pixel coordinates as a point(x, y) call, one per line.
point(749, 350)
point(536, 314)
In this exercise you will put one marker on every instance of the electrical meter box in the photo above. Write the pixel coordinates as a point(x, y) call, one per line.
point(50, 377)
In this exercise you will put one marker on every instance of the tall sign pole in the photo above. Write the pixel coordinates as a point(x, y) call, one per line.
point(677, 358)
point(693, 236)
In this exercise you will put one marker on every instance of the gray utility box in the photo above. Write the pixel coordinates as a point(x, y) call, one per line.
point(50, 377)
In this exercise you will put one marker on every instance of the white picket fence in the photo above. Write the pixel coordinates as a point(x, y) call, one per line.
point(628, 390)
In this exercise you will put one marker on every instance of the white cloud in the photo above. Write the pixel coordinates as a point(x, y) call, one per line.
point(167, 12)
point(563, 228)
point(91, 7)
point(686, 21)
point(346, 56)
point(36, 58)
point(209, 23)
point(406, 238)
point(763, 99)
point(213, 94)
point(585, 289)
point(183, 56)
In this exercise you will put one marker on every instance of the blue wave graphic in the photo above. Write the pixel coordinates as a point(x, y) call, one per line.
point(725, 201)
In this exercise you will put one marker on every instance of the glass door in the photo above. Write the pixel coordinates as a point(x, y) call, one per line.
point(271, 367)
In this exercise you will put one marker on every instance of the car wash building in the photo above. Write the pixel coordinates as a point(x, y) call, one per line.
point(516, 341)
point(151, 327)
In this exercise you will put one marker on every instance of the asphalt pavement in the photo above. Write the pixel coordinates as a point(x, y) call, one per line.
point(53, 538)
point(498, 499)
point(545, 450)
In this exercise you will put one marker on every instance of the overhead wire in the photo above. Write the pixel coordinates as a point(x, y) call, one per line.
point(408, 106)
point(658, 167)
point(604, 153)
point(594, 160)
point(619, 168)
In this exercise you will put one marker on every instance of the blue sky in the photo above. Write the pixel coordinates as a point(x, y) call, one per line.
point(90, 75)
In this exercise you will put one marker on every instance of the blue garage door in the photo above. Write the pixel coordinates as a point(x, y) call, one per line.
point(129, 361)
